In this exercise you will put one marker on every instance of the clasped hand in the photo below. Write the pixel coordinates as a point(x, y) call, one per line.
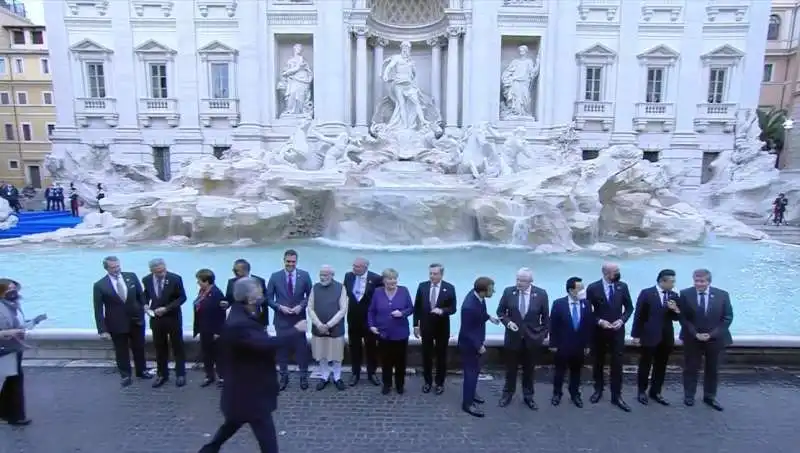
point(397, 314)
point(512, 326)
point(323, 329)
point(160, 311)
point(437, 311)
point(610, 325)
point(703, 336)
point(291, 310)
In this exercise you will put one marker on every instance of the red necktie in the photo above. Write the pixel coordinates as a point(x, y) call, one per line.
point(289, 284)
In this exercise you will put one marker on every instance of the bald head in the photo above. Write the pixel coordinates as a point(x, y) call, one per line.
point(360, 265)
point(611, 272)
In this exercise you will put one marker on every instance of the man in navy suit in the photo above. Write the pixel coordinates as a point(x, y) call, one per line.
point(571, 331)
point(471, 339)
point(241, 269)
point(360, 285)
point(250, 393)
point(612, 305)
point(434, 304)
point(524, 310)
point(287, 293)
point(706, 315)
point(656, 309)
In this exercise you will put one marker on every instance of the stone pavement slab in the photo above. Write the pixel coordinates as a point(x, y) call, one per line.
point(83, 410)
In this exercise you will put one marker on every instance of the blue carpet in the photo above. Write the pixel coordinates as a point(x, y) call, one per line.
point(39, 222)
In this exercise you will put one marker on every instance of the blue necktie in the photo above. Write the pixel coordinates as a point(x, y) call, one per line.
point(575, 317)
point(702, 302)
point(610, 293)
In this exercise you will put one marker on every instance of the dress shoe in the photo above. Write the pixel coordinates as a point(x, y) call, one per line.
point(426, 388)
point(577, 401)
point(147, 375)
point(659, 399)
point(322, 385)
point(688, 401)
point(531, 403)
point(207, 381)
point(642, 398)
point(339, 384)
point(478, 399)
point(713, 403)
point(596, 397)
point(125, 382)
point(220, 383)
point(354, 380)
point(386, 390)
point(505, 400)
point(473, 410)
point(620, 403)
point(374, 379)
point(22, 422)
point(400, 390)
point(439, 389)
point(304, 383)
point(160, 381)
point(283, 383)
point(555, 400)
point(180, 381)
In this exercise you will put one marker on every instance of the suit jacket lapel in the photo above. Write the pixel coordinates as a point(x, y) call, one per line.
point(112, 289)
point(603, 290)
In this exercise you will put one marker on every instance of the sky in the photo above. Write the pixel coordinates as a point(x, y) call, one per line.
point(35, 9)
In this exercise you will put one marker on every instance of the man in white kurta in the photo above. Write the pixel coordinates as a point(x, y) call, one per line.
point(327, 308)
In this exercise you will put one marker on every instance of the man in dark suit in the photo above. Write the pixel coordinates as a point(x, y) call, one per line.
point(250, 393)
point(571, 331)
point(434, 304)
point(471, 339)
point(612, 305)
point(241, 269)
point(119, 315)
point(164, 293)
point(656, 309)
point(287, 293)
point(706, 315)
point(360, 285)
point(524, 310)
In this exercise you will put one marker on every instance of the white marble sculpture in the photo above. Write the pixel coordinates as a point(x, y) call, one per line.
point(295, 86)
point(297, 152)
point(342, 151)
point(517, 81)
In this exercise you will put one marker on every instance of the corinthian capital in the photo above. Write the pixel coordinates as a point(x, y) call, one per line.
point(360, 31)
point(377, 41)
point(435, 41)
point(455, 31)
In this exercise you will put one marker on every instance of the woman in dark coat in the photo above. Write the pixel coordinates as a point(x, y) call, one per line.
point(209, 318)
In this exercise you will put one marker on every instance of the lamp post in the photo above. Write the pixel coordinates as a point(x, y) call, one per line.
point(786, 152)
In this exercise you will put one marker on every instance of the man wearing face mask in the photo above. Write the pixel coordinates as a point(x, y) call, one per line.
point(612, 306)
point(571, 330)
point(241, 269)
point(327, 307)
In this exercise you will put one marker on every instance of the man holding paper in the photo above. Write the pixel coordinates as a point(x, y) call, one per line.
point(164, 293)
point(524, 310)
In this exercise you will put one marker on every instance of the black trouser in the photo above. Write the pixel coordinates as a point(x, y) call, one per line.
point(208, 348)
point(434, 349)
point(393, 362)
point(60, 204)
point(168, 332)
point(613, 344)
point(655, 358)
point(127, 344)
point(573, 363)
point(524, 356)
point(263, 428)
point(12, 395)
point(693, 354)
point(363, 343)
point(73, 207)
point(50, 204)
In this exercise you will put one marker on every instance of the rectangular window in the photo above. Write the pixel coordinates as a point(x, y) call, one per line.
point(50, 129)
point(220, 81)
point(655, 85)
point(95, 80)
point(27, 133)
point(18, 37)
point(158, 81)
point(3, 65)
point(594, 81)
point(45, 65)
point(716, 85)
point(13, 165)
point(651, 156)
point(19, 65)
point(37, 37)
point(589, 154)
point(219, 151)
point(22, 98)
point(5, 98)
point(767, 76)
point(161, 162)
point(9, 131)
point(47, 98)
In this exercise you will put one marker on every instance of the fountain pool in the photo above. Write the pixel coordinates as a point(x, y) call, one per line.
point(759, 276)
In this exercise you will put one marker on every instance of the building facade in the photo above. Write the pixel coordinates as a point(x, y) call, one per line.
point(27, 105)
point(162, 81)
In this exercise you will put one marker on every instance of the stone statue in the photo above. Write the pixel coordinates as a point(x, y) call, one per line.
point(747, 137)
point(479, 157)
point(342, 153)
point(515, 152)
point(517, 87)
point(295, 85)
point(296, 152)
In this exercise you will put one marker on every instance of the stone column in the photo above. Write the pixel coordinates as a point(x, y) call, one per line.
point(692, 76)
point(248, 74)
point(436, 71)
point(125, 64)
point(453, 36)
point(188, 139)
point(362, 89)
point(627, 73)
point(377, 67)
point(63, 90)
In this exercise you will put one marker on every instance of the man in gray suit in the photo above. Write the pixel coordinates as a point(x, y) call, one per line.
point(287, 293)
point(524, 310)
point(705, 316)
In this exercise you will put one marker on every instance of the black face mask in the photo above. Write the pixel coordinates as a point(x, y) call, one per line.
point(11, 295)
point(615, 277)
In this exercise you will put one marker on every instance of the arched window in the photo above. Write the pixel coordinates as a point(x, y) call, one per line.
point(774, 28)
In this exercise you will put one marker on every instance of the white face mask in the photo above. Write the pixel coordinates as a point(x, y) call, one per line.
point(582, 294)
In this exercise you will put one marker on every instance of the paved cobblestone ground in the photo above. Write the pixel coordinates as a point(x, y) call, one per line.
point(85, 411)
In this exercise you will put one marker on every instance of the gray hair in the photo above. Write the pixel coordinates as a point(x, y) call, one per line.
point(608, 266)
point(525, 272)
point(437, 266)
point(155, 262)
point(361, 260)
point(702, 273)
point(327, 268)
point(389, 273)
point(109, 259)
point(246, 289)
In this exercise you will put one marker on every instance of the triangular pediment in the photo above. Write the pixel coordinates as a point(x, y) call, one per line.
point(89, 46)
point(216, 47)
point(597, 50)
point(727, 51)
point(661, 51)
point(153, 47)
